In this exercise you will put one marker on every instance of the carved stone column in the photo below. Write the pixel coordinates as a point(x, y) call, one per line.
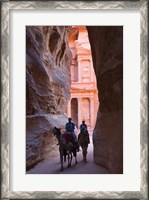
point(92, 71)
point(69, 109)
point(92, 112)
point(79, 111)
point(79, 71)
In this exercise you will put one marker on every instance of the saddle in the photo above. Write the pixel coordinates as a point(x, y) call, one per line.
point(68, 137)
point(84, 131)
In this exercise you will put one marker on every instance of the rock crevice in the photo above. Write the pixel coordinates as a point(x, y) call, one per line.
point(48, 60)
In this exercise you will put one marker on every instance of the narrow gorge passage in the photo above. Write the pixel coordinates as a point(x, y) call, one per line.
point(52, 165)
point(60, 83)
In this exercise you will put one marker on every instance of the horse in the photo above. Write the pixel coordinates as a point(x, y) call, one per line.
point(83, 140)
point(65, 149)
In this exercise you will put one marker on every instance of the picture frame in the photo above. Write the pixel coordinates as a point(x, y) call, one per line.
point(142, 7)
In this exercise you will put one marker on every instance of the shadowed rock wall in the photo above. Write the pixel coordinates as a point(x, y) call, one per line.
point(48, 60)
point(107, 53)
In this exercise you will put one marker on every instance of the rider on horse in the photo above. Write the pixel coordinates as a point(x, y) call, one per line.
point(83, 129)
point(69, 135)
point(83, 126)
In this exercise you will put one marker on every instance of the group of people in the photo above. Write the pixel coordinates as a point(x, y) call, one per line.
point(70, 127)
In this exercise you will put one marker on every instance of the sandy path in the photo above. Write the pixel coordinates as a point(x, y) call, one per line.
point(52, 165)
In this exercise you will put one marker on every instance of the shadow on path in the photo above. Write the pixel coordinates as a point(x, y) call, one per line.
point(52, 165)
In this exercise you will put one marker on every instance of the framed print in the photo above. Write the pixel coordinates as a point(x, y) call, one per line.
point(74, 100)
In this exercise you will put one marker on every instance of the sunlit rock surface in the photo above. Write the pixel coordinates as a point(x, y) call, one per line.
point(107, 52)
point(40, 143)
point(48, 60)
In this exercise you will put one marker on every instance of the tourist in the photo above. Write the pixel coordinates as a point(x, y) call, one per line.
point(83, 126)
point(70, 127)
point(83, 129)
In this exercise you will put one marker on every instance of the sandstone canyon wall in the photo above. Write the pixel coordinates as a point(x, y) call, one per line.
point(107, 53)
point(48, 61)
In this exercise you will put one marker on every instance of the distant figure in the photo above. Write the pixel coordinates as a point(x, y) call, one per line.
point(83, 140)
point(83, 129)
point(83, 126)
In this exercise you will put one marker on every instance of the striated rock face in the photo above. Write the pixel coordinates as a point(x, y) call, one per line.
point(107, 53)
point(40, 143)
point(48, 60)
